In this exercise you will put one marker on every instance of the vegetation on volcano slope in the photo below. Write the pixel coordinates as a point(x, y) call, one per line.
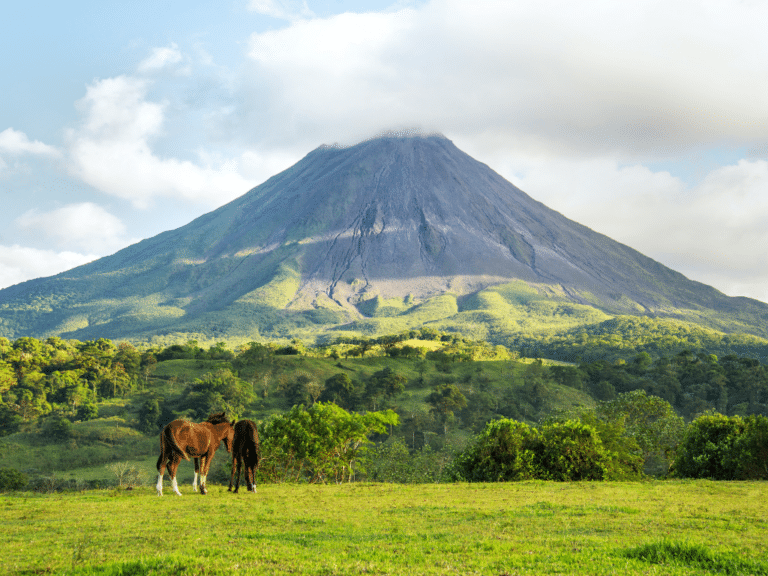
point(536, 320)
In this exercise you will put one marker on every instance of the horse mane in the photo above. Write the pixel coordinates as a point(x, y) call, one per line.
point(219, 418)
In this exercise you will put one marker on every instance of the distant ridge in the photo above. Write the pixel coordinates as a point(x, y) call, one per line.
point(377, 229)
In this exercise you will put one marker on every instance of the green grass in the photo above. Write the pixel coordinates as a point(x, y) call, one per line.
point(675, 528)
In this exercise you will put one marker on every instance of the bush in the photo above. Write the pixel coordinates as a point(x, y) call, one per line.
point(87, 411)
point(501, 452)
point(724, 448)
point(561, 450)
point(58, 429)
point(12, 479)
point(705, 451)
point(571, 450)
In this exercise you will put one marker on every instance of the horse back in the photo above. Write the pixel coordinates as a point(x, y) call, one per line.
point(186, 438)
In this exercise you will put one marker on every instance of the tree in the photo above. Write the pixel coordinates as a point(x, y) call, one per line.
point(502, 452)
point(382, 385)
point(340, 389)
point(708, 446)
point(216, 392)
point(571, 450)
point(510, 450)
point(444, 400)
point(87, 411)
point(724, 448)
point(319, 443)
point(649, 420)
point(149, 413)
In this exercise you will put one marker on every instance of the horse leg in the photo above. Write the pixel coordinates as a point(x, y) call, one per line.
point(173, 465)
point(249, 477)
point(197, 471)
point(160, 471)
point(232, 475)
point(237, 474)
point(205, 462)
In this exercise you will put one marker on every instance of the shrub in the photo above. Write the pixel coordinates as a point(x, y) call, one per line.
point(12, 479)
point(501, 452)
point(707, 449)
point(571, 450)
point(560, 450)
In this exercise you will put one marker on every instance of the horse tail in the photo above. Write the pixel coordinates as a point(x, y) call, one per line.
point(171, 443)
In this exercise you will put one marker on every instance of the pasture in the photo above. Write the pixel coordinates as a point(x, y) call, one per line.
point(657, 527)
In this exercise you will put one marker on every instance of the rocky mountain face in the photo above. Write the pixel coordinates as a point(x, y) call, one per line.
point(393, 217)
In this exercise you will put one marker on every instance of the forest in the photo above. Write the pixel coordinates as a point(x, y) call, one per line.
point(419, 406)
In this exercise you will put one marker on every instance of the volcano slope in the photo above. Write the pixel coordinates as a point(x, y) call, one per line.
point(392, 233)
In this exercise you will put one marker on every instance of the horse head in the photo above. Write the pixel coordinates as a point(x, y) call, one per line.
point(228, 432)
point(229, 439)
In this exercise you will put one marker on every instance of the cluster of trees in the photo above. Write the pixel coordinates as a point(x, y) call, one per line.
point(65, 376)
point(626, 336)
point(620, 440)
point(692, 382)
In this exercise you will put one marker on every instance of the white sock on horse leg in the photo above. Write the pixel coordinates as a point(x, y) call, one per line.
point(194, 483)
point(159, 485)
point(175, 486)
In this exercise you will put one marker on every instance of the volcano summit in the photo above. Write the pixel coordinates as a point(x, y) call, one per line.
point(348, 235)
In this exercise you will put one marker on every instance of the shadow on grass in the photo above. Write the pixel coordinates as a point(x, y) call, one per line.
point(695, 556)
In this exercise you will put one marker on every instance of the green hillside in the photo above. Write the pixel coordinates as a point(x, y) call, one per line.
point(69, 408)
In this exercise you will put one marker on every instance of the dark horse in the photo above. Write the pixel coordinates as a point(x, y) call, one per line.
point(246, 453)
point(185, 439)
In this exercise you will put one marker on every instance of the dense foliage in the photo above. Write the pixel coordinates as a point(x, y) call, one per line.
point(421, 395)
point(724, 448)
point(560, 450)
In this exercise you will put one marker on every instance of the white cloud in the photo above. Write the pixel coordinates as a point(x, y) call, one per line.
point(15, 142)
point(162, 58)
point(652, 77)
point(283, 9)
point(18, 263)
point(714, 232)
point(85, 226)
point(111, 150)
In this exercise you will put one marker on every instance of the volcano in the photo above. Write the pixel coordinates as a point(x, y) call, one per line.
point(379, 229)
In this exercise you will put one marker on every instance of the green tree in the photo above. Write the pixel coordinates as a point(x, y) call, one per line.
point(444, 400)
point(12, 479)
point(572, 450)
point(382, 385)
point(650, 421)
point(503, 451)
point(707, 448)
point(318, 444)
point(216, 392)
point(87, 411)
point(149, 413)
point(341, 390)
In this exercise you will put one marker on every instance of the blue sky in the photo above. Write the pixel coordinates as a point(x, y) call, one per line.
point(648, 123)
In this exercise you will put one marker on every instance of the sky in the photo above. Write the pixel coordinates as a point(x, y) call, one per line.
point(646, 121)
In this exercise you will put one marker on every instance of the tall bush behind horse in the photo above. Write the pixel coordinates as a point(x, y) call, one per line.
point(185, 439)
point(246, 453)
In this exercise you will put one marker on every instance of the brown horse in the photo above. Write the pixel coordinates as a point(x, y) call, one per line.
point(246, 453)
point(182, 439)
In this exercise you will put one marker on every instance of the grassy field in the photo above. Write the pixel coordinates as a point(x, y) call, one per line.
point(691, 527)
